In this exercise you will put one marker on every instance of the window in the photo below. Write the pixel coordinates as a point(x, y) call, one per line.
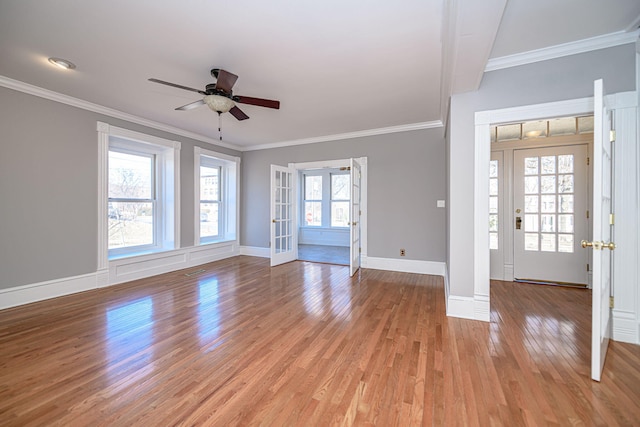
point(326, 198)
point(132, 199)
point(216, 190)
point(493, 204)
point(139, 181)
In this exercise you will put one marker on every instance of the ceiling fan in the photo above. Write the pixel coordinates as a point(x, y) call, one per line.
point(219, 97)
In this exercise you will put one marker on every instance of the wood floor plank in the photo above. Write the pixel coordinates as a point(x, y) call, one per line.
point(305, 344)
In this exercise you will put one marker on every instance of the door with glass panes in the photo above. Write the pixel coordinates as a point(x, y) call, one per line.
point(550, 212)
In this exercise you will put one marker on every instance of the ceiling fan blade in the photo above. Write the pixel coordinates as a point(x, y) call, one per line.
point(225, 81)
point(162, 82)
point(257, 101)
point(191, 105)
point(238, 113)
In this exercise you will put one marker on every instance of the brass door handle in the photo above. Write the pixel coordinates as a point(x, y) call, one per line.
point(598, 245)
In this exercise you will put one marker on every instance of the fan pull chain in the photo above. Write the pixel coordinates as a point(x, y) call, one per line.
point(220, 124)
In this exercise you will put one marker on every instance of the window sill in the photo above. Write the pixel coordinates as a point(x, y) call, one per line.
point(213, 242)
point(117, 256)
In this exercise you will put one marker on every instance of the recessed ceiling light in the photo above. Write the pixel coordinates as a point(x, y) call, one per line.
point(62, 63)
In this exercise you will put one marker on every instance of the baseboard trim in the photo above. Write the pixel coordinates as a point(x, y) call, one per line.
point(625, 327)
point(404, 265)
point(27, 294)
point(255, 251)
point(119, 271)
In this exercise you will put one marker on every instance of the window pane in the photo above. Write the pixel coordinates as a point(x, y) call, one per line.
point(548, 164)
point(493, 169)
point(531, 166)
point(565, 163)
point(340, 187)
point(493, 222)
point(548, 242)
point(566, 203)
point(565, 183)
point(493, 186)
point(531, 223)
point(548, 184)
point(313, 187)
point(130, 224)
point(565, 223)
point(209, 183)
point(209, 219)
point(493, 240)
point(531, 204)
point(130, 176)
point(548, 204)
point(493, 204)
point(339, 214)
point(313, 213)
point(531, 185)
point(548, 223)
point(565, 243)
point(530, 241)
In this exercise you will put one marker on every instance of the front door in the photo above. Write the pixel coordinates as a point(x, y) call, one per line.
point(550, 202)
point(284, 245)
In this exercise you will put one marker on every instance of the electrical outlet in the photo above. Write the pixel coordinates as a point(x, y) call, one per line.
point(402, 253)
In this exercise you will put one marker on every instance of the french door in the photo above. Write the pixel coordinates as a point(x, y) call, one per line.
point(284, 242)
point(602, 245)
point(354, 251)
point(550, 202)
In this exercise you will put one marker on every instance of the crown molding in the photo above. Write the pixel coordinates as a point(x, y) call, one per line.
point(85, 105)
point(349, 135)
point(566, 49)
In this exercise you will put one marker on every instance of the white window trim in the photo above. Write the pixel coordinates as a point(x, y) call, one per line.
point(170, 178)
point(230, 200)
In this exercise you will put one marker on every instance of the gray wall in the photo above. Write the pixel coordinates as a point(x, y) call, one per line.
point(549, 81)
point(406, 175)
point(48, 183)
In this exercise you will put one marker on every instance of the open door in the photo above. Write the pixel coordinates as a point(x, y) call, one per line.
point(283, 245)
point(602, 233)
point(355, 209)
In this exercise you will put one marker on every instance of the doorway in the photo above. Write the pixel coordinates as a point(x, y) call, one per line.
point(539, 202)
point(319, 211)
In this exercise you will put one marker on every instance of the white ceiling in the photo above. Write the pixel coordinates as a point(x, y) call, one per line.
point(337, 67)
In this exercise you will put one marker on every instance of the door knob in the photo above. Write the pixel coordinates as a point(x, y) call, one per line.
point(598, 245)
point(518, 222)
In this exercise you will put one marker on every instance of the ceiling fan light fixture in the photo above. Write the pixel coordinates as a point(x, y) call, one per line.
point(218, 103)
point(62, 63)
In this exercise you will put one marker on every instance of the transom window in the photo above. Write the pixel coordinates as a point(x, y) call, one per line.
point(326, 198)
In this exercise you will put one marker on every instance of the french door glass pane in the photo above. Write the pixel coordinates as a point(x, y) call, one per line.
point(548, 165)
point(209, 219)
point(493, 222)
point(565, 163)
point(130, 224)
point(531, 204)
point(548, 184)
point(531, 166)
point(531, 185)
point(548, 242)
point(531, 222)
point(130, 176)
point(493, 240)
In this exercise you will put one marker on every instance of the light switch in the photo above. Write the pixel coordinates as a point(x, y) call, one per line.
point(440, 203)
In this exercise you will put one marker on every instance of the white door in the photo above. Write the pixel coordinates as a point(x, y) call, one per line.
point(284, 245)
point(550, 202)
point(602, 245)
point(355, 210)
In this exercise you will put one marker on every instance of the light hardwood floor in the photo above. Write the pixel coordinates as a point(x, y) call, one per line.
point(304, 344)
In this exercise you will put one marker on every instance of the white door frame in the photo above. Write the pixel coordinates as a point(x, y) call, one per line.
point(483, 122)
point(339, 163)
